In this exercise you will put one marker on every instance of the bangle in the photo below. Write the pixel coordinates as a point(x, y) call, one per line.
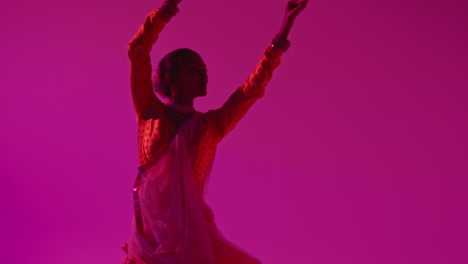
point(279, 45)
point(167, 10)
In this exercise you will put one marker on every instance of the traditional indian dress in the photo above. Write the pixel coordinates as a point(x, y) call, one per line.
point(176, 148)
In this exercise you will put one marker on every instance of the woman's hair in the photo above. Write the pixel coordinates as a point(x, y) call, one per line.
point(169, 65)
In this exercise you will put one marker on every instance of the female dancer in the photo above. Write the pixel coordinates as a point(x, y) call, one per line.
point(176, 146)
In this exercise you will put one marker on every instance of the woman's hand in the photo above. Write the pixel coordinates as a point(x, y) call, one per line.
point(174, 2)
point(293, 8)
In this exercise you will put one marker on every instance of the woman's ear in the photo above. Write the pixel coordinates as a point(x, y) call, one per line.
point(170, 83)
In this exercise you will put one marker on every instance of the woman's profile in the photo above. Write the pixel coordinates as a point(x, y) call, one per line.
point(176, 146)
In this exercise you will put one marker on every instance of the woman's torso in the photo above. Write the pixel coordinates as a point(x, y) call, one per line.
point(157, 132)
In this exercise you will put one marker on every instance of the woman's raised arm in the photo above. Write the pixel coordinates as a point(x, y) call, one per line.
point(145, 101)
point(223, 120)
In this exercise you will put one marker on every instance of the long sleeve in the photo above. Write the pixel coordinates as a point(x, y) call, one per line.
point(223, 120)
point(145, 101)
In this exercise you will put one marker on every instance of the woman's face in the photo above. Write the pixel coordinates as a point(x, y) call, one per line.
point(191, 79)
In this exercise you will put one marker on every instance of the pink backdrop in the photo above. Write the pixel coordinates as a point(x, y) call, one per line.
point(357, 153)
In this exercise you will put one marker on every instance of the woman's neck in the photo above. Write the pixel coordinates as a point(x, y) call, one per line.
point(183, 108)
point(184, 101)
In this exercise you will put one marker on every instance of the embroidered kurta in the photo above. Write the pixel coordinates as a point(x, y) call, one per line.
point(160, 127)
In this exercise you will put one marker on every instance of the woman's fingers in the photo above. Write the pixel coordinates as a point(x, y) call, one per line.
point(294, 7)
point(294, 4)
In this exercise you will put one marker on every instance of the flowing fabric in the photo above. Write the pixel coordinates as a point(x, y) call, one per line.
point(178, 226)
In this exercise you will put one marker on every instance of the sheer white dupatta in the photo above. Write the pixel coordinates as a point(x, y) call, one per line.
point(174, 215)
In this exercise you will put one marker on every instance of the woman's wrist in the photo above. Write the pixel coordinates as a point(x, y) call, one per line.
point(279, 45)
point(286, 27)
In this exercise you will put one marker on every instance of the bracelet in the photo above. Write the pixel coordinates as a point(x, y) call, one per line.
point(167, 10)
point(279, 45)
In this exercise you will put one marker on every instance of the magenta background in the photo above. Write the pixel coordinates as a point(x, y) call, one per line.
point(356, 154)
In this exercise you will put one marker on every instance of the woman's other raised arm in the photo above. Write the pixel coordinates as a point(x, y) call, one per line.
point(223, 120)
point(145, 101)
